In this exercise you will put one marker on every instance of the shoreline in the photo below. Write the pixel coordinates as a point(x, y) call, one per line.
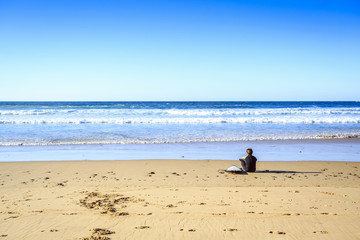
point(330, 139)
point(179, 199)
point(280, 150)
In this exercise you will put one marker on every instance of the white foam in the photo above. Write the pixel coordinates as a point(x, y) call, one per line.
point(60, 142)
point(186, 120)
point(188, 112)
point(151, 126)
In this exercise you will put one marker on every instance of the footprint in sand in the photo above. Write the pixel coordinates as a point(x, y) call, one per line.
point(99, 233)
point(292, 214)
point(122, 214)
point(189, 230)
point(170, 206)
point(142, 227)
point(69, 214)
point(218, 214)
point(277, 232)
point(11, 217)
point(39, 211)
point(107, 203)
point(321, 232)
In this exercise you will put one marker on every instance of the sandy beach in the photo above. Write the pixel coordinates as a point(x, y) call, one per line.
point(179, 199)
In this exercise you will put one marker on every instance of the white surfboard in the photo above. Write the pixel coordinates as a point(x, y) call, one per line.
point(234, 168)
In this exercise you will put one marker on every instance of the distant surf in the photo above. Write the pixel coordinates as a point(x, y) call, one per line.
point(69, 123)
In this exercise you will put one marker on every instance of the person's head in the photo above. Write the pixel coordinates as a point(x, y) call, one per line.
point(249, 151)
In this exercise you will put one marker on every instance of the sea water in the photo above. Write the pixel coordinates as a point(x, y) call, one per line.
point(110, 126)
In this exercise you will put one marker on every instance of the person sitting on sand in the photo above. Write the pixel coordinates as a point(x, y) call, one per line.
point(249, 162)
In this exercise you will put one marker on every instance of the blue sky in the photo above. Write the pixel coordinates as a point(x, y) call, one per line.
point(179, 50)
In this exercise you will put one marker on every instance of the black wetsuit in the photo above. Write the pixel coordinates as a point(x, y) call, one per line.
point(249, 164)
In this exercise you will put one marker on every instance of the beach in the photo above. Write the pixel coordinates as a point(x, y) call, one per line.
point(120, 119)
point(156, 170)
point(179, 199)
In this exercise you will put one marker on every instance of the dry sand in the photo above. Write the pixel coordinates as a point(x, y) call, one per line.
point(179, 199)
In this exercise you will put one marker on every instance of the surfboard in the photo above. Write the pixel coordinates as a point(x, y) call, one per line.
point(234, 168)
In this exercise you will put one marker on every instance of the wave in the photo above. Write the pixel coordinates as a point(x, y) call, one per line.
point(169, 141)
point(192, 120)
point(185, 112)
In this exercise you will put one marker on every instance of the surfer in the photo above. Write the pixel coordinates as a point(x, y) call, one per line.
point(249, 162)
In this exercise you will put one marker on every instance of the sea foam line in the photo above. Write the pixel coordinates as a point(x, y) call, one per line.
point(192, 120)
point(186, 112)
point(169, 141)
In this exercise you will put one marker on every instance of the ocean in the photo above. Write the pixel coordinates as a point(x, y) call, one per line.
point(118, 124)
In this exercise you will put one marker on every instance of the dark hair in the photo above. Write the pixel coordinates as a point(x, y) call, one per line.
point(249, 151)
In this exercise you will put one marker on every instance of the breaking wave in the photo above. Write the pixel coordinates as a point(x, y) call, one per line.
point(59, 123)
point(160, 141)
point(184, 112)
point(192, 120)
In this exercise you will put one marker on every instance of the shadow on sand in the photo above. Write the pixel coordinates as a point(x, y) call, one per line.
point(242, 173)
point(277, 171)
point(265, 171)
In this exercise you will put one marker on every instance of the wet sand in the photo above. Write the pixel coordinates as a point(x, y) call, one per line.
point(179, 199)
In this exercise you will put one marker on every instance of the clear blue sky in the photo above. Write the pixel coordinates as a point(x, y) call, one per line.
point(179, 50)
